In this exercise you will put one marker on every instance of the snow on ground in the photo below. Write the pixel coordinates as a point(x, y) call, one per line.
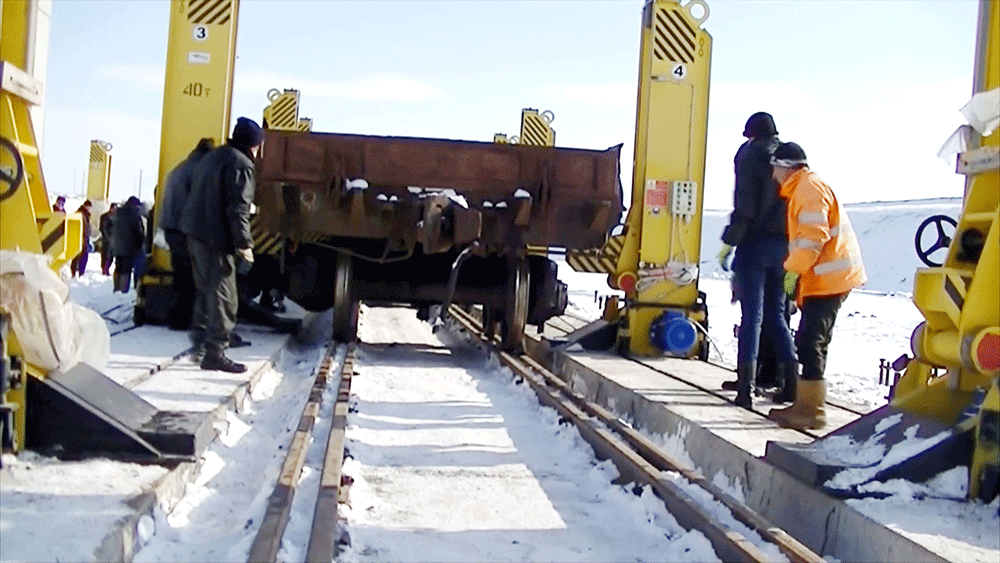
point(215, 520)
point(456, 462)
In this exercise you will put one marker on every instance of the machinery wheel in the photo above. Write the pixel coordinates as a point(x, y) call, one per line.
point(515, 311)
point(943, 240)
point(345, 307)
point(13, 181)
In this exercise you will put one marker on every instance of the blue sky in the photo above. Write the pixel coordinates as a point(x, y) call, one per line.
point(870, 89)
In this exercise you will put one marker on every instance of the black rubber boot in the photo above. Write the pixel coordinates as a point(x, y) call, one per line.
point(745, 374)
point(788, 375)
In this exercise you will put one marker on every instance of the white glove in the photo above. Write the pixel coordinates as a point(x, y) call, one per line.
point(246, 254)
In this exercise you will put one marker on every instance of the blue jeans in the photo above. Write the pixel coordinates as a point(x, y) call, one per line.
point(759, 273)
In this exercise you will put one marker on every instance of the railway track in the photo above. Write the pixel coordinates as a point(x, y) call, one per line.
point(640, 461)
point(323, 536)
point(637, 459)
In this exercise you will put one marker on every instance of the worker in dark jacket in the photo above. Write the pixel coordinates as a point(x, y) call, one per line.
point(127, 236)
point(757, 230)
point(216, 220)
point(106, 225)
point(78, 266)
point(175, 195)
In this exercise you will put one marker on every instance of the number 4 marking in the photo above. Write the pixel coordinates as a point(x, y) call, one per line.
point(679, 72)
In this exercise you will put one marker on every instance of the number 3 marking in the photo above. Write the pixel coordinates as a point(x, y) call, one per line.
point(199, 32)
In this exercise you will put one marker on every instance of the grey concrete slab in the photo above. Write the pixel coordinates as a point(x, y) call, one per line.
point(35, 505)
point(724, 443)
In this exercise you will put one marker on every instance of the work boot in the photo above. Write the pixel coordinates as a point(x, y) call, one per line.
point(788, 375)
point(744, 384)
point(808, 411)
point(731, 385)
point(219, 362)
point(235, 341)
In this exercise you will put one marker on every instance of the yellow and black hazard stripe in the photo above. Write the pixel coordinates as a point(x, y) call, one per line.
point(213, 12)
point(956, 287)
point(264, 242)
point(52, 234)
point(597, 260)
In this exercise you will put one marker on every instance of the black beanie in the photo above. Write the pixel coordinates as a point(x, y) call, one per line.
point(789, 155)
point(760, 124)
point(247, 133)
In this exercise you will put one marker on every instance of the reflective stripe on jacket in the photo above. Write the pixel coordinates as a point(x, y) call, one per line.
point(822, 246)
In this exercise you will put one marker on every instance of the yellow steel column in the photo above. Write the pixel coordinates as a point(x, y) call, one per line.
point(658, 264)
point(197, 95)
point(99, 175)
point(198, 85)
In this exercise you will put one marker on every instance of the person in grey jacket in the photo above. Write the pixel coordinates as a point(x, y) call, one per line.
point(216, 221)
point(175, 195)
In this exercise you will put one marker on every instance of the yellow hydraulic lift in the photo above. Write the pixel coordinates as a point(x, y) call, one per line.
point(956, 349)
point(654, 261)
point(99, 174)
point(197, 96)
point(947, 396)
point(27, 222)
point(78, 411)
point(281, 114)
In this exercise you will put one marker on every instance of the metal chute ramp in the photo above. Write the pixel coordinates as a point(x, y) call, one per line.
point(71, 409)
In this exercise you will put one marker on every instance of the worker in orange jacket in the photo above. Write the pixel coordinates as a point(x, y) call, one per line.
point(823, 266)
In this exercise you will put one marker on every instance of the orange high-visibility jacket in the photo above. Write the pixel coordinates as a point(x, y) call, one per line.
point(822, 246)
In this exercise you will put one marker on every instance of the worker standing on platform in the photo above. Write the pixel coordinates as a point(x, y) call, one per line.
point(823, 266)
point(216, 220)
point(177, 189)
point(127, 238)
point(757, 230)
point(106, 225)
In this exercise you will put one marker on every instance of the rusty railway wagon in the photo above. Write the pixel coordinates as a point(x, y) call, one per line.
point(423, 222)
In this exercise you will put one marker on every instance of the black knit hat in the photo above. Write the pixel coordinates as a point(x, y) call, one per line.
point(789, 155)
point(247, 133)
point(760, 124)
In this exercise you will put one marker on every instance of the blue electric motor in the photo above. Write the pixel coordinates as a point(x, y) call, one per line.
point(673, 333)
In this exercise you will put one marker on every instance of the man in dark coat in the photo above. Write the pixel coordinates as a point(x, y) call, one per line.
point(216, 220)
point(757, 230)
point(175, 195)
point(127, 236)
point(78, 266)
point(106, 226)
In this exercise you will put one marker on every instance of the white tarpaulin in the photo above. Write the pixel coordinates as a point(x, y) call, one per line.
point(54, 333)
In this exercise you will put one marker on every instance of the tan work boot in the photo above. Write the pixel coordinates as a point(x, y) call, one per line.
point(808, 411)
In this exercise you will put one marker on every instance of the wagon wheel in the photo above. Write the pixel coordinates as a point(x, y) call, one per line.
point(13, 181)
point(943, 240)
point(515, 310)
point(345, 307)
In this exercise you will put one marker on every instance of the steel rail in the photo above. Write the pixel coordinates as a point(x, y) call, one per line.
point(640, 460)
point(323, 538)
point(268, 539)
